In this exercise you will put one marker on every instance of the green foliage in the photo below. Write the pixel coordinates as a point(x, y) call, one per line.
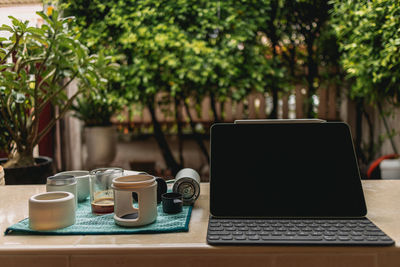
point(181, 47)
point(369, 38)
point(37, 64)
point(96, 107)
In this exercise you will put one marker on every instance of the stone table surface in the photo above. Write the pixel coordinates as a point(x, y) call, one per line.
point(190, 249)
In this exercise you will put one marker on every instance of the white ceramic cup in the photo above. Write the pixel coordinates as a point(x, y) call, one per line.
point(83, 185)
point(51, 210)
point(125, 213)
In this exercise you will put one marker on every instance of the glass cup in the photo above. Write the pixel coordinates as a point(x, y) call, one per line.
point(66, 183)
point(101, 193)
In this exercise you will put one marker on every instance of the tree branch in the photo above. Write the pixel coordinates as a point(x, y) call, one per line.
point(52, 123)
point(17, 39)
point(55, 93)
point(3, 112)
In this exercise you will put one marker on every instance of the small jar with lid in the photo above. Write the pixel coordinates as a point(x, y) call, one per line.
point(65, 183)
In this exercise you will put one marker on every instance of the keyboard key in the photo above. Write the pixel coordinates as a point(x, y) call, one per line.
point(276, 234)
point(343, 233)
point(332, 229)
point(344, 238)
point(317, 234)
point(264, 233)
point(240, 237)
point(269, 229)
point(254, 237)
point(250, 233)
point(237, 233)
point(338, 225)
point(372, 234)
point(223, 233)
point(356, 234)
point(216, 228)
point(227, 237)
point(213, 233)
point(330, 234)
point(213, 237)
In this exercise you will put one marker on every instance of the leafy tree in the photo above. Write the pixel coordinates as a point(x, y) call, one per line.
point(272, 27)
point(369, 39)
point(184, 48)
point(306, 18)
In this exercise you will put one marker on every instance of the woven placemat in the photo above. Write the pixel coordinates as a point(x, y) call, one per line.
point(90, 224)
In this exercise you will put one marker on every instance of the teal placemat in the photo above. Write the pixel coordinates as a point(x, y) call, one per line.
point(89, 224)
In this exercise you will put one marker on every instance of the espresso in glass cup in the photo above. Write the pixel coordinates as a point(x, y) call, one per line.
point(101, 193)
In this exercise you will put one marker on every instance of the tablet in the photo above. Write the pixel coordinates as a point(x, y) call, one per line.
point(284, 170)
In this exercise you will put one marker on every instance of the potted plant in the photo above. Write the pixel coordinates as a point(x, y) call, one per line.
point(36, 67)
point(95, 109)
point(367, 32)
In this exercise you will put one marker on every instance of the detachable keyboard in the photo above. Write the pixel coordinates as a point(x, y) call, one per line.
point(295, 232)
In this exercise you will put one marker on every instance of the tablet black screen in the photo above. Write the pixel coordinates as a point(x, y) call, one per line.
point(284, 170)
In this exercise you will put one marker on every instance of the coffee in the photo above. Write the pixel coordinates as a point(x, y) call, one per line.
point(101, 194)
point(103, 205)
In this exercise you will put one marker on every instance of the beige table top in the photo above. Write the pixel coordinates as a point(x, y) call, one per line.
point(383, 202)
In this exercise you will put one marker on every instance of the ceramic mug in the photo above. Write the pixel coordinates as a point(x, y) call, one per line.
point(125, 212)
point(82, 179)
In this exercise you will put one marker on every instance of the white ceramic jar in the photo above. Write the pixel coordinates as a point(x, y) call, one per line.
point(51, 210)
point(125, 213)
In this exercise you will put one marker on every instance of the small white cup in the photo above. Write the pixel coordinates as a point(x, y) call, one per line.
point(51, 210)
point(83, 184)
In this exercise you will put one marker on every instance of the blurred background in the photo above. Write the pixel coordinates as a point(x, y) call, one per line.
point(184, 65)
